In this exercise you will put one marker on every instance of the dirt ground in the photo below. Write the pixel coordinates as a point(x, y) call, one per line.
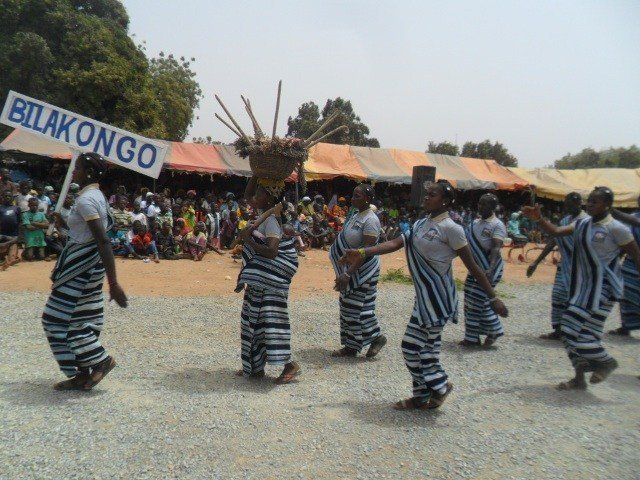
point(216, 275)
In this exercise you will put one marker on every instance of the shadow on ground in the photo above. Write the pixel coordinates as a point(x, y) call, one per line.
point(36, 393)
point(198, 380)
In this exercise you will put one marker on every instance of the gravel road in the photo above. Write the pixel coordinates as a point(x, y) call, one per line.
point(173, 408)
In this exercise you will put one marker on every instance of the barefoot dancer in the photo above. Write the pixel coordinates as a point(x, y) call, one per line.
point(560, 294)
point(269, 264)
point(431, 245)
point(630, 301)
point(358, 287)
point(485, 236)
point(594, 285)
point(73, 315)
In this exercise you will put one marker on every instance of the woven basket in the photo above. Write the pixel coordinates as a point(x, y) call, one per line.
point(273, 167)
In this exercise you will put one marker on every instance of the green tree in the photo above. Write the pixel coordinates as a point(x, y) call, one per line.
point(309, 119)
point(77, 54)
point(444, 148)
point(489, 151)
point(610, 158)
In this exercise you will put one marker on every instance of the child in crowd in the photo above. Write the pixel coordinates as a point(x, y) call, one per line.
point(166, 243)
point(118, 242)
point(143, 244)
point(188, 213)
point(229, 229)
point(35, 223)
point(195, 243)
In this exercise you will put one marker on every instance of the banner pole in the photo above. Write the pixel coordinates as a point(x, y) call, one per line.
point(65, 187)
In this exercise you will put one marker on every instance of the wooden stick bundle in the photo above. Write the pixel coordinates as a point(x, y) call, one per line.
point(335, 130)
point(229, 126)
point(233, 120)
point(275, 119)
point(256, 126)
point(323, 127)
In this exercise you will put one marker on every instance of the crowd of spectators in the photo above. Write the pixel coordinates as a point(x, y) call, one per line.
point(165, 225)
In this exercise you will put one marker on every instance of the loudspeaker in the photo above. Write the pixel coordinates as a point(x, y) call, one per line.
point(420, 174)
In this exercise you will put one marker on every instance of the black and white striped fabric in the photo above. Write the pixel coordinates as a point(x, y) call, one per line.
point(270, 274)
point(421, 351)
point(359, 324)
point(560, 292)
point(265, 330)
point(480, 319)
point(368, 270)
point(630, 301)
point(73, 316)
point(436, 294)
point(593, 288)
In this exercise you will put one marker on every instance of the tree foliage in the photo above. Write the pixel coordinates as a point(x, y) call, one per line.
point(610, 158)
point(489, 151)
point(444, 148)
point(310, 118)
point(77, 54)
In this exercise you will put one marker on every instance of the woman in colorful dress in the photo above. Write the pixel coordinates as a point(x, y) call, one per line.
point(431, 245)
point(595, 283)
point(73, 316)
point(358, 286)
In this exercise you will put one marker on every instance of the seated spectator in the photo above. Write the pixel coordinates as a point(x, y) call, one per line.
point(143, 245)
point(22, 199)
point(121, 216)
point(119, 243)
point(404, 224)
point(340, 209)
point(321, 235)
point(513, 229)
point(35, 223)
point(229, 206)
point(195, 243)
point(188, 213)
point(165, 215)
point(166, 243)
point(8, 250)
point(180, 230)
point(306, 207)
point(121, 191)
point(138, 215)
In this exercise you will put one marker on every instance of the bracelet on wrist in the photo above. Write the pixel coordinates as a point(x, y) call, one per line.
point(362, 253)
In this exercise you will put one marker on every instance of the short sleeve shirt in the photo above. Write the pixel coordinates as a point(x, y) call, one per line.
point(485, 230)
point(364, 223)
point(607, 236)
point(91, 204)
point(437, 240)
point(270, 228)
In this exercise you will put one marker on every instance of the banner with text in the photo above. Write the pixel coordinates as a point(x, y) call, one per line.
point(123, 148)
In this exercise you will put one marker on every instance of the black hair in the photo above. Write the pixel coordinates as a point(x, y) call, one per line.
point(573, 197)
point(492, 198)
point(368, 191)
point(605, 193)
point(447, 190)
point(95, 162)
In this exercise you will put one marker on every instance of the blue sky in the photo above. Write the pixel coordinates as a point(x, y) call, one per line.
point(544, 78)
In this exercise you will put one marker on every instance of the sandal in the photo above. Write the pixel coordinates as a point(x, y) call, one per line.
point(555, 335)
point(290, 372)
point(468, 343)
point(601, 372)
point(99, 372)
point(572, 385)
point(621, 332)
point(437, 399)
point(344, 352)
point(376, 346)
point(75, 383)
point(412, 403)
point(489, 341)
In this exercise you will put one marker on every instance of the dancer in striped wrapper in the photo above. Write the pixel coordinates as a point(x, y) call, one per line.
point(630, 301)
point(485, 236)
point(359, 326)
point(269, 264)
point(430, 245)
point(560, 294)
point(73, 316)
point(595, 284)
